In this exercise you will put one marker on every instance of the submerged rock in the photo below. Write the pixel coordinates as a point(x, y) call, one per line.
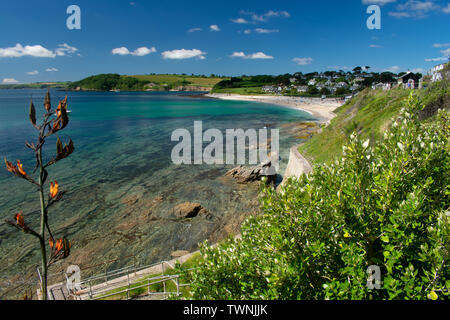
point(189, 210)
point(251, 174)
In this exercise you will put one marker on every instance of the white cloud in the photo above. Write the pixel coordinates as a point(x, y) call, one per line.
point(248, 31)
point(375, 46)
point(179, 54)
point(214, 27)
point(65, 49)
point(257, 55)
point(143, 51)
point(393, 69)
point(266, 16)
point(238, 55)
point(33, 73)
point(302, 61)
point(261, 30)
point(446, 9)
point(239, 20)
point(121, 51)
point(9, 81)
point(36, 51)
point(436, 59)
point(51, 70)
point(414, 9)
point(378, 2)
point(195, 29)
point(441, 45)
point(139, 52)
point(20, 51)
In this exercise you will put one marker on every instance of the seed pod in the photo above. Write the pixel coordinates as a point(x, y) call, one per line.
point(64, 117)
point(66, 247)
point(32, 114)
point(59, 147)
point(47, 104)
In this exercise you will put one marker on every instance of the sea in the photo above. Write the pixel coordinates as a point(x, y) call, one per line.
point(121, 183)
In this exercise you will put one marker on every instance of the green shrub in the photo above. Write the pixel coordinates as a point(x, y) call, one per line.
point(384, 204)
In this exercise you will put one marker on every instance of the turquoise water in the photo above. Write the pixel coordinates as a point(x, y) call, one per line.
point(120, 180)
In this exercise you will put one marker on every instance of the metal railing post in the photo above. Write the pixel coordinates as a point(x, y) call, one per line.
point(128, 289)
point(39, 278)
point(178, 285)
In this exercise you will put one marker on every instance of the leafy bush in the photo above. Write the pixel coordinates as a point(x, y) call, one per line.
point(109, 81)
point(384, 204)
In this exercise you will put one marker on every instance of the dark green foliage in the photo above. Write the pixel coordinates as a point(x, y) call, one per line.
point(384, 204)
point(109, 81)
point(243, 82)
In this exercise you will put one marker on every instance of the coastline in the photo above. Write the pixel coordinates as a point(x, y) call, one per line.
point(320, 108)
point(323, 109)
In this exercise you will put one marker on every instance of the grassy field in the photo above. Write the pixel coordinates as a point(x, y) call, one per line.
point(369, 114)
point(170, 79)
point(243, 91)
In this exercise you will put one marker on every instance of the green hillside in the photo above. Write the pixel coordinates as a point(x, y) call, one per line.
point(178, 80)
point(155, 82)
point(369, 114)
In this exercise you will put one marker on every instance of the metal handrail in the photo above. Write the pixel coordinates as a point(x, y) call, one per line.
point(147, 283)
point(89, 285)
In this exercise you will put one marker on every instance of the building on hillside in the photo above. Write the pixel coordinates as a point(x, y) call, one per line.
point(383, 86)
point(409, 80)
point(341, 85)
point(268, 89)
point(301, 88)
point(312, 82)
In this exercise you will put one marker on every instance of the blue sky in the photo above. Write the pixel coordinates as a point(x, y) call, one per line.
point(220, 37)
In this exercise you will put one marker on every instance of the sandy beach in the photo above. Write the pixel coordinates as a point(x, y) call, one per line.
point(320, 108)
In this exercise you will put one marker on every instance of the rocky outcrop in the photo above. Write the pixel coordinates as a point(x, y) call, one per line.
point(190, 210)
point(251, 174)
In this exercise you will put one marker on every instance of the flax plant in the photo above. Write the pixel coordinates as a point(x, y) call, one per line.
point(53, 121)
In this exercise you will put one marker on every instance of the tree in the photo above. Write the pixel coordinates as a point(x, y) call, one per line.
point(357, 70)
point(312, 90)
point(382, 203)
point(325, 91)
point(53, 122)
point(341, 91)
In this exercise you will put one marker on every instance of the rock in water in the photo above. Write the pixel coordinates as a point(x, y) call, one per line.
point(189, 210)
point(251, 174)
